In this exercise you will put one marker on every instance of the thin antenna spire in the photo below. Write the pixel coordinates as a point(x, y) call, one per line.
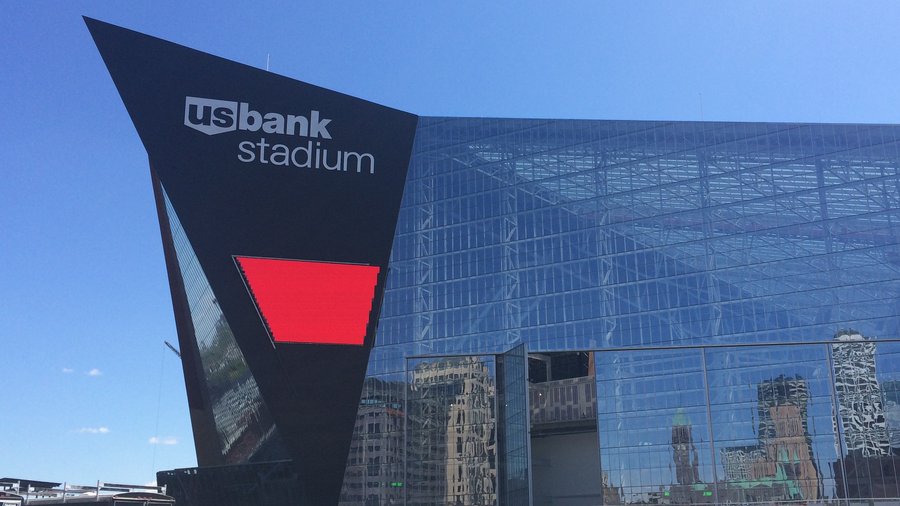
point(267, 62)
point(701, 105)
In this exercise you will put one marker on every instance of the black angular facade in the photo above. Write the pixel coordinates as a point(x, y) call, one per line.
point(594, 312)
point(251, 398)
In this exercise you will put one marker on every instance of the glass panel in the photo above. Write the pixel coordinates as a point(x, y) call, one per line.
point(771, 409)
point(652, 418)
point(866, 376)
point(245, 428)
point(513, 455)
point(374, 473)
point(452, 431)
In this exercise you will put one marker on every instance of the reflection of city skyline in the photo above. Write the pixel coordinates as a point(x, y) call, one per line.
point(764, 414)
point(452, 447)
point(785, 454)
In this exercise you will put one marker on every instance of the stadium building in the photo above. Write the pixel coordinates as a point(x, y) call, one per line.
point(378, 308)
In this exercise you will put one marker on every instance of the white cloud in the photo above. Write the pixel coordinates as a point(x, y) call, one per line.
point(168, 440)
point(94, 372)
point(68, 370)
point(94, 430)
point(150, 484)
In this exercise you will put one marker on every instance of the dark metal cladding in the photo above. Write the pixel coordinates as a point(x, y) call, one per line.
point(229, 206)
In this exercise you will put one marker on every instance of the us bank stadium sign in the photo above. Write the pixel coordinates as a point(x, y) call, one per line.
point(213, 117)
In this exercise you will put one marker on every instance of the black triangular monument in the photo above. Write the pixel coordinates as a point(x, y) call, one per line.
point(259, 165)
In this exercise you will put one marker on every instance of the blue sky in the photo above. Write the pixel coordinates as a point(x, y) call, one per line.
point(85, 304)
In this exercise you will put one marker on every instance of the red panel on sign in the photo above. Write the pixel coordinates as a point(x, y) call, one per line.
point(312, 302)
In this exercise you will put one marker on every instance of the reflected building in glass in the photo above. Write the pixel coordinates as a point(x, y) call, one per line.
point(684, 452)
point(859, 395)
point(781, 466)
point(452, 432)
point(891, 391)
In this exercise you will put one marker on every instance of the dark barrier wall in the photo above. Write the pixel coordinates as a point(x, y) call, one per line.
point(266, 484)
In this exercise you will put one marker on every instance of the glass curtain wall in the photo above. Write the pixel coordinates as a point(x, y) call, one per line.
point(603, 235)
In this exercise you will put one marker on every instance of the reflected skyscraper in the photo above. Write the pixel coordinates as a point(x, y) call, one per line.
point(684, 452)
point(782, 465)
point(377, 452)
point(861, 405)
point(452, 433)
point(784, 433)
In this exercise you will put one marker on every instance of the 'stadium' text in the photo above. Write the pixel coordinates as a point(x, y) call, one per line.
point(310, 156)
